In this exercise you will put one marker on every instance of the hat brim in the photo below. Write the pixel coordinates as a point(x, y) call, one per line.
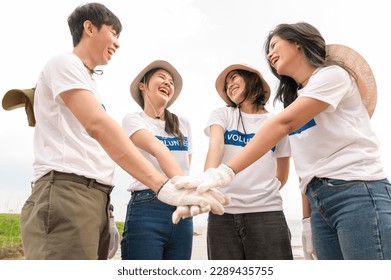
point(220, 81)
point(17, 98)
point(364, 77)
point(160, 64)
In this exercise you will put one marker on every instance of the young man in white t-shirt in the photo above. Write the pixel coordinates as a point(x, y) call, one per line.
point(76, 144)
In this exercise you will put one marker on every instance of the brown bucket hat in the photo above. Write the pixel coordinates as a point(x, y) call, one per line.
point(365, 80)
point(16, 98)
point(220, 81)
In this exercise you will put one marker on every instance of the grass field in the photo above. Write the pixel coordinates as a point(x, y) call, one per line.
point(10, 239)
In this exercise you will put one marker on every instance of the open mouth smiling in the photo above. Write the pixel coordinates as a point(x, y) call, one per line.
point(165, 91)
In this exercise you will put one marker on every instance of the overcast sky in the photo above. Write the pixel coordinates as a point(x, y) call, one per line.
point(200, 38)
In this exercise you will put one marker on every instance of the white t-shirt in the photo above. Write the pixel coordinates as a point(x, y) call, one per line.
point(136, 121)
point(256, 188)
point(60, 142)
point(339, 142)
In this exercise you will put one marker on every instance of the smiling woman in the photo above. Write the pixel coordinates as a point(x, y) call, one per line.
point(165, 140)
point(245, 230)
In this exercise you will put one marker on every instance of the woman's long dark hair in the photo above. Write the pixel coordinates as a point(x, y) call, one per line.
point(172, 121)
point(313, 47)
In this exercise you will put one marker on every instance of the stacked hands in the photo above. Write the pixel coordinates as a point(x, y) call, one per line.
point(199, 194)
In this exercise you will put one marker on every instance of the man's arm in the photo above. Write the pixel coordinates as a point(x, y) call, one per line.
point(109, 134)
point(149, 143)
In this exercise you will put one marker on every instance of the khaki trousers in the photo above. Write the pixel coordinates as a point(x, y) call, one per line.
point(66, 218)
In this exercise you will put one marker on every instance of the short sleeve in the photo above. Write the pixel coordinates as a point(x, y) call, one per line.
point(329, 85)
point(217, 117)
point(132, 122)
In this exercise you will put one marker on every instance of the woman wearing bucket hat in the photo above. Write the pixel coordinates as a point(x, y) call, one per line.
point(253, 225)
point(334, 149)
point(165, 140)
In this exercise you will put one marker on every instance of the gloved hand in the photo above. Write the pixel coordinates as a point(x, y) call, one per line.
point(211, 178)
point(306, 238)
point(183, 212)
point(190, 197)
point(114, 238)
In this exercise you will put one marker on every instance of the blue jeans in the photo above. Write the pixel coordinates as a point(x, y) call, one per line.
point(149, 233)
point(249, 236)
point(350, 219)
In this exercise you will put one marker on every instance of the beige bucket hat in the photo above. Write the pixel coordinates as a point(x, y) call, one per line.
point(365, 80)
point(16, 98)
point(220, 81)
point(162, 64)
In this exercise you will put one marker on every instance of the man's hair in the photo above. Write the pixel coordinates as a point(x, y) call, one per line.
point(97, 13)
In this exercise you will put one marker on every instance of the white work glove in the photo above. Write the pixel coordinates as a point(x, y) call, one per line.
point(211, 178)
point(183, 212)
point(114, 238)
point(306, 238)
point(190, 197)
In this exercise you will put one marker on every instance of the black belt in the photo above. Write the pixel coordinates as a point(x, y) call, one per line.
point(91, 183)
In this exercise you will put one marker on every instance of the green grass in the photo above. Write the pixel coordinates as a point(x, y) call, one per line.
point(10, 239)
point(120, 226)
point(10, 230)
